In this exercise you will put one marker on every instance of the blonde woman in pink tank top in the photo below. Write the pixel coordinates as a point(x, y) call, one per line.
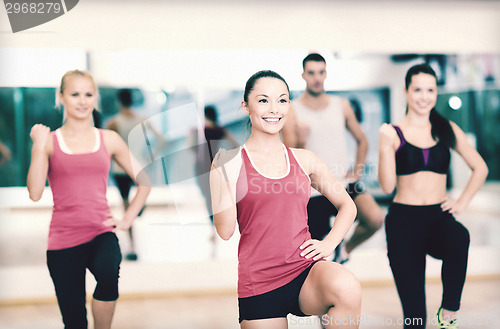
point(264, 187)
point(76, 160)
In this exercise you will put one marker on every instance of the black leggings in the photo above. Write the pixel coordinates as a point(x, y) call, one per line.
point(67, 268)
point(124, 183)
point(412, 233)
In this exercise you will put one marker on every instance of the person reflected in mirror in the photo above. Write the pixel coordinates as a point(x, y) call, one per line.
point(211, 138)
point(5, 154)
point(123, 123)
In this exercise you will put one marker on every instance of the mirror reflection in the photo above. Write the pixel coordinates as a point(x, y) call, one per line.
point(175, 227)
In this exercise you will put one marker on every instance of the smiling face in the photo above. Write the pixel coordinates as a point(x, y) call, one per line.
point(314, 74)
point(422, 93)
point(268, 105)
point(78, 97)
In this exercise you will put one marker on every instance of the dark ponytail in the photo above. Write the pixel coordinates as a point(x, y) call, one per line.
point(441, 129)
point(440, 126)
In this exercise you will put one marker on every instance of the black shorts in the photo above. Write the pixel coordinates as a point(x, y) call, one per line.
point(320, 209)
point(355, 188)
point(277, 303)
point(124, 184)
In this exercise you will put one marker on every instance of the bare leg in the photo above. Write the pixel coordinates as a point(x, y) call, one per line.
point(131, 255)
point(449, 315)
point(103, 313)
point(277, 323)
point(370, 219)
point(333, 293)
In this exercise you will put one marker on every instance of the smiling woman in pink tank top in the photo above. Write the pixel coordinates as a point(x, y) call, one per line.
point(265, 186)
point(76, 160)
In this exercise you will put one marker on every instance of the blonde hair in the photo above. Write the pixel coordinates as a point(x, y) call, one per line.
point(84, 74)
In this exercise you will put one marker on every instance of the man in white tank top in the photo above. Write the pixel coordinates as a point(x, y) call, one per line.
point(318, 122)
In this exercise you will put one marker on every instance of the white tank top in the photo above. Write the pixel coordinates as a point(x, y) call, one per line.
point(327, 135)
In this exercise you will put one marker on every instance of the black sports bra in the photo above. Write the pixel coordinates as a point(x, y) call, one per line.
point(411, 159)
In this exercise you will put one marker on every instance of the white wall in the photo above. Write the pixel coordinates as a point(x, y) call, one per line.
point(229, 69)
point(41, 67)
point(195, 44)
point(339, 25)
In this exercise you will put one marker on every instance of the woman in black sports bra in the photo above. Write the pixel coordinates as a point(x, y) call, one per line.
point(414, 158)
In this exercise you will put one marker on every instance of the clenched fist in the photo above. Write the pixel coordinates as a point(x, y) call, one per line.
point(39, 135)
point(387, 135)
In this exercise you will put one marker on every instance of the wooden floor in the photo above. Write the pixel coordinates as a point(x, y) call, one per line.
point(380, 310)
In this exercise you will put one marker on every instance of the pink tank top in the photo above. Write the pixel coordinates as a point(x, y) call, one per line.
point(272, 220)
point(78, 183)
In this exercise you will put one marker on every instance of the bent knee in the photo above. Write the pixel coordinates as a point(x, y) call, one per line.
point(376, 224)
point(345, 291)
point(107, 274)
point(351, 294)
point(372, 221)
point(464, 236)
point(106, 292)
point(107, 286)
point(376, 220)
point(458, 237)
